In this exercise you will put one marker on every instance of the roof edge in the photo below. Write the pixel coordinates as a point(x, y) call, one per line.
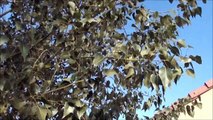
point(199, 91)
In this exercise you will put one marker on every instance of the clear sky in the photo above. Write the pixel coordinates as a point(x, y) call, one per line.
point(199, 35)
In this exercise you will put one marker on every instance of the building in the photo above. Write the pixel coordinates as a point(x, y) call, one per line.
point(202, 111)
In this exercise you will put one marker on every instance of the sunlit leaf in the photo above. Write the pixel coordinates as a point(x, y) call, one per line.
point(147, 105)
point(165, 76)
point(130, 72)
point(18, 25)
point(72, 7)
point(137, 47)
point(144, 52)
point(181, 43)
point(98, 59)
point(190, 72)
point(67, 109)
point(199, 105)
point(3, 39)
point(153, 79)
point(65, 55)
point(41, 113)
point(185, 59)
point(110, 72)
point(147, 80)
point(78, 103)
point(81, 112)
point(18, 104)
point(71, 61)
point(166, 20)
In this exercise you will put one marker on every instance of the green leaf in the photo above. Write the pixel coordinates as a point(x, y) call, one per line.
point(110, 72)
point(81, 112)
point(3, 39)
point(155, 14)
point(65, 55)
point(196, 59)
point(147, 105)
point(180, 21)
point(72, 7)
point(18, 104)
point(190, 72)
point(98, 59)
point(138, 18)
point(165, 76)
point(24, 51)
point(41, 113)
point(67, 109)
point(118, 36)
point(18, 25)
point(175, 50)
point(198, 11)
point(2, 84)
point(154, 82)
point(144, 52)
point(185, 59)
point(68, 79)
point(147, 81)
point(3, 56)
point(130, 72)
point(71, 61)
point(181, 43)
point(166, 20)
point(78, 103)
point(199, 105)
point(137, 47)
point(41, 65)
point(190, 111)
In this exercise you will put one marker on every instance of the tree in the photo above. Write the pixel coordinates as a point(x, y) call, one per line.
point(75, 59)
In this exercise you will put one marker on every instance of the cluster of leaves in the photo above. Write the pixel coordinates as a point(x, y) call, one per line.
point(75, 59)
point(184, 105)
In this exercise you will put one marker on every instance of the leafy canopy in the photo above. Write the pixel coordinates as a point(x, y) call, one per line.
point(78, 59)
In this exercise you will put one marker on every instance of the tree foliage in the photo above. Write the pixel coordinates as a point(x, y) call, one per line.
point(78, 59)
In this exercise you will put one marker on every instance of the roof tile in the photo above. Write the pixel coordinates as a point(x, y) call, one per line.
point(207, 86)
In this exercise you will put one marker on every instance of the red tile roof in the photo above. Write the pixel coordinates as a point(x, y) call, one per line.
point(207, 86)
point(193, 95)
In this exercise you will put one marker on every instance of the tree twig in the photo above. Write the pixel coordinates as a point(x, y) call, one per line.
point(63, 87)
point(39, 58)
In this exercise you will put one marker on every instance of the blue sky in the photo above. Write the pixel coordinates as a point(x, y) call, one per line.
point(199, 35)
